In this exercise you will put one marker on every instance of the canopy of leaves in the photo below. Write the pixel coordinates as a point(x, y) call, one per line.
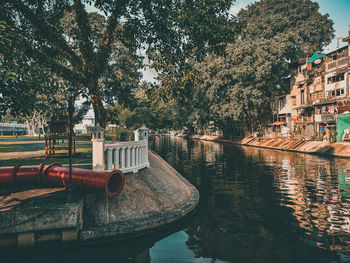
point(79, 47)
point(238, 86)
point(267, 19)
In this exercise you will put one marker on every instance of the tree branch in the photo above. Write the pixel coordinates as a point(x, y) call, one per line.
point(85, 44)
point(48, 32)
point(105, 48)
point(50, 63)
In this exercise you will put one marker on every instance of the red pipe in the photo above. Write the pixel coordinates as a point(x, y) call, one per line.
point(111, 182)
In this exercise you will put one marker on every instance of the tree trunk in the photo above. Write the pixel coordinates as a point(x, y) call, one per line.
point(96, 100)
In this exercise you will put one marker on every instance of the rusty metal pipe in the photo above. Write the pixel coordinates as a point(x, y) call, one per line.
point(55, 174)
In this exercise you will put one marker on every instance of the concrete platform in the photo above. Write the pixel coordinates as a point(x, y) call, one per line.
point(152, 199)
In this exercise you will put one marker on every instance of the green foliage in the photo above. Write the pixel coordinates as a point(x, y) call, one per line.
point(87, 50)
point(238, 86)
point(301, 19)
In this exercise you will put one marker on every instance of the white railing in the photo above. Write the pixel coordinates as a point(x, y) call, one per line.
point(126, 156)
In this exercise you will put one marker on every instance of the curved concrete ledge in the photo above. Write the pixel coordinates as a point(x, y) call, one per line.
point(151, 199)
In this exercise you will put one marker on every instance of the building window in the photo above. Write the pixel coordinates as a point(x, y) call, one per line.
point(302, 97)
point(337, 92)
point(336, 78)
point(281, 103)
point(294, 100)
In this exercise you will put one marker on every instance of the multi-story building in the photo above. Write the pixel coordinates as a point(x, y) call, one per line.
point(281, 109)
point(319, 92)
point(307, 92)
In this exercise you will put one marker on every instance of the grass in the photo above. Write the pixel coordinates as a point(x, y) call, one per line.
point(84, 155)
point(37, 161)
point(79, 137)
point(22, 137)
point(5, 148)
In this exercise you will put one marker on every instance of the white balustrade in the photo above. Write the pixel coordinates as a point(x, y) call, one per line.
point(126, 156)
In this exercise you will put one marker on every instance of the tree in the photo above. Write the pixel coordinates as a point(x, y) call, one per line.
point(83, 59)
point(239, 85)
point(210, 27)
point(301, 19)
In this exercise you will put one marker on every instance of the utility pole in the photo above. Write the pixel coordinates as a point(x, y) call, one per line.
point(70, 124)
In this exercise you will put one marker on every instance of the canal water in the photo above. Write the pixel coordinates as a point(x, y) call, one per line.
point(257, 205)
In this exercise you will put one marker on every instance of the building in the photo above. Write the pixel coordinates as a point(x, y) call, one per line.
point(319, 91)
point(13, 129)
point(87, 122)
point(307, 95)
point(281, 120)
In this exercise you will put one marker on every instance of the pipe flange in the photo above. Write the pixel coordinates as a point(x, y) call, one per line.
point(14, 173)
point(46, 170)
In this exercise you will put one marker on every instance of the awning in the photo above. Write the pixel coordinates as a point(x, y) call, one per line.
point(277, 123)
point(315, 56)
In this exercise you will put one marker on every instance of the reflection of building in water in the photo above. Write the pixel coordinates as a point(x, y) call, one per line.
point(318, 191)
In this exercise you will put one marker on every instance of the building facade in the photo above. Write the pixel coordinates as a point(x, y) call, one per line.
point(319, 92)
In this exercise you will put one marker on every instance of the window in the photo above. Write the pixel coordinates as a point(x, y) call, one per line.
point(302, 98)
point(281, 103)
point(294, 100)
point(336, 78)
point(337, 92)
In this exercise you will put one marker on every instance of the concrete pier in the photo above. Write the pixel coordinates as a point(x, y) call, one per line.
point(152, 199)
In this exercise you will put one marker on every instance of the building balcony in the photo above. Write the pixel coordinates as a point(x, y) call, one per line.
point(304, 120)
point(338, 64)
point(317, 97)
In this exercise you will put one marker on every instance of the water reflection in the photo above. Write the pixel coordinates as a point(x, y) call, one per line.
point(257, 205)
point(317, 189)
point(261, 205)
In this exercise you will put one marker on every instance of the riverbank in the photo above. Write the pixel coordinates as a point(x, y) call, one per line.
point(152, 199)
point(337, 149)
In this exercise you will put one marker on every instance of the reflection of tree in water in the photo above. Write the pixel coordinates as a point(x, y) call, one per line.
point(247, 210)
point(240, 220)
point(315, 188)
